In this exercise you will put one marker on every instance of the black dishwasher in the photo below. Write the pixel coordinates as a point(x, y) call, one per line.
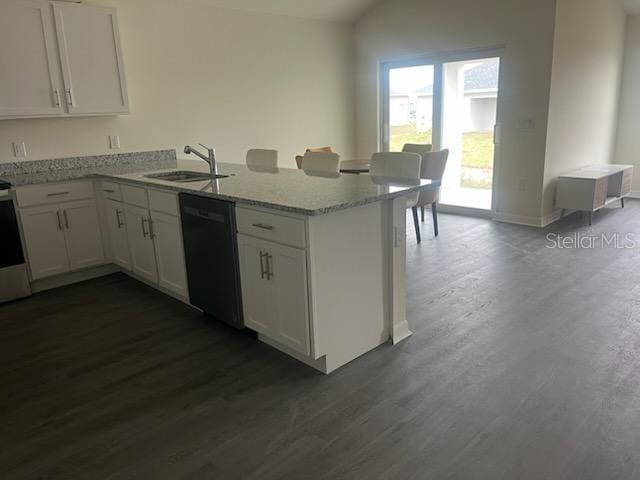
point(211, 253)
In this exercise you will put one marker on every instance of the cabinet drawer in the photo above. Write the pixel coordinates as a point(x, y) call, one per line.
point(53, 193)
point(163, 202)
point(135, 196)
point(272, 227)
point(110, 190)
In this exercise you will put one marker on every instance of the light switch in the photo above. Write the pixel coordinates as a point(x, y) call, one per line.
point(19, 149)
point(114, 141)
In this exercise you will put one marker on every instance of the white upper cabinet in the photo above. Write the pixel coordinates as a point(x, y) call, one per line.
point(91, 58)
point(60, 59)
point(29, 69)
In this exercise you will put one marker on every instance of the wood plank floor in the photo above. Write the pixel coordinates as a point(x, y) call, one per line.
point(525, 364)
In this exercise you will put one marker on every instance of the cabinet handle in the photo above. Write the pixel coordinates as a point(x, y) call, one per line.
point(152, 233)
point(269, 266)
point(263, 270)
point(57, 194)
point(144, 230)
point(120, 224)
point(69, 97)
point(66, 219)
point(59, 220)
point(107, 190)
point(263, 226)
point(56, 97)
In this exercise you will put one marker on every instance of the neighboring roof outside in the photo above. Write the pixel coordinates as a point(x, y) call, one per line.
point(482, 77)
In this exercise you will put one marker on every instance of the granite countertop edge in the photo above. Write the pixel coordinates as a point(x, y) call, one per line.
point(256, 203)
point(120, 176)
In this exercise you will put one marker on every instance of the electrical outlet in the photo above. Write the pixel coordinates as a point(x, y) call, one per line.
point(19, 149)
point(527, 123)
point(114, 142)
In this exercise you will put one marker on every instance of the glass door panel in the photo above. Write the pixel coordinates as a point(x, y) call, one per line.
point(469, 108)
point(410, 106)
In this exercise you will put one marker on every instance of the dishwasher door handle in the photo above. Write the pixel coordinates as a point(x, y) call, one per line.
point(204, 214)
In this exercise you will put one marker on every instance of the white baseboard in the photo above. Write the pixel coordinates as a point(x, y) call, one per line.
point(553, 217)
point(518, 219)
point(634, 194)
point(465, 211)
point(71, 278)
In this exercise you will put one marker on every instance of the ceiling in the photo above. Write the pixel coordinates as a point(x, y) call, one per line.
point(332, 10)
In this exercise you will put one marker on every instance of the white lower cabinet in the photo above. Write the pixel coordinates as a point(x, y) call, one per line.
point(82, 234)
point(62, 237)
point(154, 242)
point(166, 232)
point(274, 291)
point(116, 228)
point(44, 239)
point(143, 256)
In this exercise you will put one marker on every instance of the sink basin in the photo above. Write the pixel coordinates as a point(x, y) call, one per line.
point(184, 176)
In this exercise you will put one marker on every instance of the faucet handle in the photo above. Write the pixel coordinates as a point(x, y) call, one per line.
point(204, 146)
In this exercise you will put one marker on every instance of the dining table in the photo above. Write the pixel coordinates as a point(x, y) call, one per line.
point(356, 166)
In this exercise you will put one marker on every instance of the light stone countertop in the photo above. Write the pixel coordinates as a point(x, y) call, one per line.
point(284, 189)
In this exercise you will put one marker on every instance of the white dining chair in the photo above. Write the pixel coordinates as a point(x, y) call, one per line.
point(258, 157)
point(324, 162)
point(401, 166)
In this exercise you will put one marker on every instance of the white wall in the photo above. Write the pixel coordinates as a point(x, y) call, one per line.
point(585, 84)
point(628, 138)
point(232, 79)
point(404, 28)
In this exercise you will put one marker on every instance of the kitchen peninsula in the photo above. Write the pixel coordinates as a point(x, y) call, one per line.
point(333, 285)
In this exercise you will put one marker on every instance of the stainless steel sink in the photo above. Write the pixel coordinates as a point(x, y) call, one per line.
point(184, 176)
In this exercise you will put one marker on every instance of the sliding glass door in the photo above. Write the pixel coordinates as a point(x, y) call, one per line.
point(449, 103)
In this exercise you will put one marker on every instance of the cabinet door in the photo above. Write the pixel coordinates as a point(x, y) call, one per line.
point(287, 271)
point(166, 232)
point(82, 234)
point(117, 233)
point(28, 63)
point(91, 57)
point(256, 288)
point(143, 257)
point(44, 237)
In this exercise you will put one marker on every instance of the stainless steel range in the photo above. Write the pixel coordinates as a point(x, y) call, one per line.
point(14, 280)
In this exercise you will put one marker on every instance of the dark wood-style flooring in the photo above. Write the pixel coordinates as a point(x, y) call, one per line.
point(525, 364)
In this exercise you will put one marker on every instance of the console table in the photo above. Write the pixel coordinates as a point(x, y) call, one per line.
point(593, 188)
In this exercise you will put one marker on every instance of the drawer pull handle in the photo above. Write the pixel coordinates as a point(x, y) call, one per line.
point(263, 270)
point(120, 224)
point(57, 194)
point(263, 226)
point(69, 98)
point(152, 233)
point(269, 266)
point(107, 190)
point(144, 230)
point(56, 96)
